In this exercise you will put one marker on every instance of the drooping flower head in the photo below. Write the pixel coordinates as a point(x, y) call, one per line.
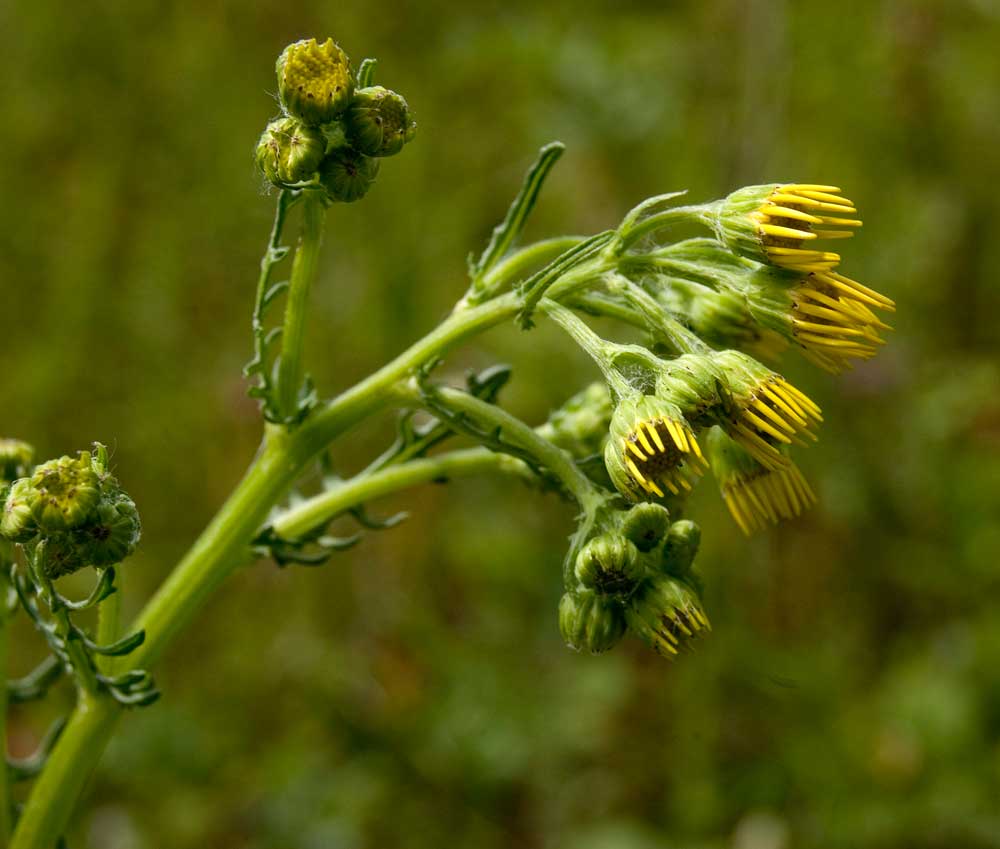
point(754, 494)
point(651, 447)
point(666, 614)
point(780, 224)
point(763, 411)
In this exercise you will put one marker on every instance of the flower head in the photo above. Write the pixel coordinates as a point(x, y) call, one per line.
point(666, 614)
point(347, 175)
point(610, 565)
point(754, 494)
point(315, 81)
point(651, 444)
point(378, 122)
point(780, 224)
point(763, 410)
point(289, 151)
point(62, 493)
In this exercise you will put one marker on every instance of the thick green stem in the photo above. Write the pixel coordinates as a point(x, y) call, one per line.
point(304, 268)
point(5, 799)
point(70, 763)
point(224, 545)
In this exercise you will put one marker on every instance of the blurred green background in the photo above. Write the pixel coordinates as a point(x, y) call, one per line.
point(416, 692)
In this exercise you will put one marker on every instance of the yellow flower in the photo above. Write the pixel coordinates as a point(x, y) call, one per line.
point(833, 322)
point(780, 224)
point(754, 494)
point(651, 445)
point(765, 412)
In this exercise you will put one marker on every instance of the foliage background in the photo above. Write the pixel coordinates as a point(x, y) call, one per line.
point(415, 692)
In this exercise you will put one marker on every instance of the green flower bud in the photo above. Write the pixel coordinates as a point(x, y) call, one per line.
point(289, 151)
point(778, 224)
point(111, 534)
point(315, 81)
point(378, 122)
point(63, 493)
point(754, 494)
point(666, 614)
point(646, 524)
point(610, 565)
point(580, 426)
point(589, 622)
point(650, 444)
point(15, 459)
point(347, 175)
point(16, 522)
point(681, 546)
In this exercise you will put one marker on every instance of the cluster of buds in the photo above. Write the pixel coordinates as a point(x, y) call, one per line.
point(333, 132)
point(77, 508)
point(634, 574)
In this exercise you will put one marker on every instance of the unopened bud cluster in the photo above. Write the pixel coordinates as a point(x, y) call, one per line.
point(332, 133)
point(77, 508)
point(634, 574)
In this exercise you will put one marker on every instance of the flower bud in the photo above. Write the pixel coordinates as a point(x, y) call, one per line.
point(610, 565)
point(589, 622)
point(289, 151)
point(111, 534)
point(378, 122)
point(347, 175)
point(650, 444)
point(681, 547)
point(646, 524)
point(63, 493)
point(15, 459)
point(315, 81)
point(778, 224)
point(666, 614)
point(16, 521)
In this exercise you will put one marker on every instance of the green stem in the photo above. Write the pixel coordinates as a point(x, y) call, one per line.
point(699, 214)
point(549, 455)
point(599, 350)
point(69, 765)
point(321, 509)
point(109, 621)
point(5, 798)
point(514, 268)
point(224, 545)
point(304, 268)
point(662, 325)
